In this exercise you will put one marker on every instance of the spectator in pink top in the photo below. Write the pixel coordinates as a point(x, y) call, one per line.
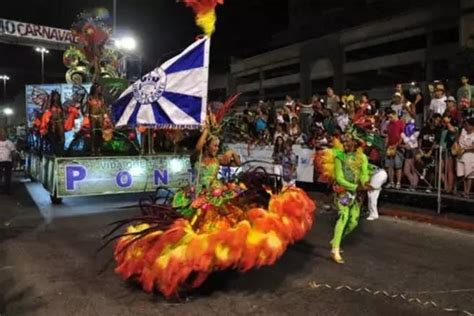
point(394, 159)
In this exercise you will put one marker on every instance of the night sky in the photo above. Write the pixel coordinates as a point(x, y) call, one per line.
point(161, 27)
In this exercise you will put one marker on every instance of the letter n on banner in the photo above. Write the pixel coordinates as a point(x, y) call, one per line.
point(74, 174)
point(160, 177)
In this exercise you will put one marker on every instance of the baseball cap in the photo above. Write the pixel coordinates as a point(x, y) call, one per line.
point(451, 98)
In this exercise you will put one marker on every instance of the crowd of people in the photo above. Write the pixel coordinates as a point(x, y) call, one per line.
point(422, 135)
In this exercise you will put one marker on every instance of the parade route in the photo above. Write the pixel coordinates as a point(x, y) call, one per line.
point(393, 267)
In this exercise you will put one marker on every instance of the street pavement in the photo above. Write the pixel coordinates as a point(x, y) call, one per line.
point(49, 266)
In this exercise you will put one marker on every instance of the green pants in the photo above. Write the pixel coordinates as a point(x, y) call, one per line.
point(347, 222)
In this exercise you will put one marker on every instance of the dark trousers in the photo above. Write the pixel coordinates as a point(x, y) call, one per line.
point(6, 174)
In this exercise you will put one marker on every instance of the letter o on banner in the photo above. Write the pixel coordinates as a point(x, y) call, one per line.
point(124, 179)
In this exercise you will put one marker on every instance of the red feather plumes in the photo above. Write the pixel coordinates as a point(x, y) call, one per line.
point(202, 6)
point(226, 106)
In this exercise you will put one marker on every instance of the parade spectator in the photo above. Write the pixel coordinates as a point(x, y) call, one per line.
point(247, 118)
point(465, 164)
point(452, 109)
point(319, 140)
point(384, 121)
point(332, 100)
point(318, 115)
point(278, 150)
point(409, 111)
point(427, 145)
point(465, 93)
point(347, 97)
point(328, 123)
point(305, 116)
point(7, 148)
point(289, 102)
point(295, 132)
point(410, 143)
point(417, 105)
point(438, 103)
point(271, 117)
point(428, 134)
point(375, 106)
point(289, 165)
point(446, 140)
point(280, 133)
point(397, 104)
point(351, 108)
point(364, 102)
point(342, 118)
point(261, 121)
point(279, 117)
point(394, 155)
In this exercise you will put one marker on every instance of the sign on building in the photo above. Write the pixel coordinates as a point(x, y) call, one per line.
point(28, 31)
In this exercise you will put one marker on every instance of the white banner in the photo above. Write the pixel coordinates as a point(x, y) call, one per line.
point(305, 168)
point(36, 32)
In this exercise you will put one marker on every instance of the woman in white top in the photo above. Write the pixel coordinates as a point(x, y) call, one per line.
point(410, 143)
point(465, 165)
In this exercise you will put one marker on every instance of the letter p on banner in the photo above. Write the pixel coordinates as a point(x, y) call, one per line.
point(74, 174)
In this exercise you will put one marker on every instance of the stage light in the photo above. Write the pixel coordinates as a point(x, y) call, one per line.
point(126, 43)
point(42, 50)
point(7, 111)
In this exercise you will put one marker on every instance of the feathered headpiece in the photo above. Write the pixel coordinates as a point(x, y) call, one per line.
point(205, 13)
point(215, 121)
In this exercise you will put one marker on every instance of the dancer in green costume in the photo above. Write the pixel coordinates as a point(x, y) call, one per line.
point(351, 174)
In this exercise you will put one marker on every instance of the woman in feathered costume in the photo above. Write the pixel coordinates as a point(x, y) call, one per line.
point(212, 226)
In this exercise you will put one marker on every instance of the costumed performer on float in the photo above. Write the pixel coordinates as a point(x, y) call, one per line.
point(347, 166)
point(96, 117)
point(52, 122)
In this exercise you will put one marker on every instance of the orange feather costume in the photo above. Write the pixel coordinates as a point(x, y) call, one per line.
point(186, 253)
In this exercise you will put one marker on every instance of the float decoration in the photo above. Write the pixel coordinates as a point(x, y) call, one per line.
point(91, 59)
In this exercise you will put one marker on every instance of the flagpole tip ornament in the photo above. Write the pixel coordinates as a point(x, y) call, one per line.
point(205, 13)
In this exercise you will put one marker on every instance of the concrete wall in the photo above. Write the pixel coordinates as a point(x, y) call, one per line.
point(324, 57)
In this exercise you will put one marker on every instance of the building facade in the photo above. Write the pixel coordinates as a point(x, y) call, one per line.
point(409, 43)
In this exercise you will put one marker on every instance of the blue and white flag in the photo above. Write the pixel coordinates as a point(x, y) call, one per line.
point(173, 95)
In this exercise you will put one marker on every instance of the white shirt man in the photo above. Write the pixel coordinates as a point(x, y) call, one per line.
point(6, 150)
point(438, 105)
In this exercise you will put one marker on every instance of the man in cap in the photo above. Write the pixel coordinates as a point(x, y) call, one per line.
point(452, 109)
point(438, 103)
